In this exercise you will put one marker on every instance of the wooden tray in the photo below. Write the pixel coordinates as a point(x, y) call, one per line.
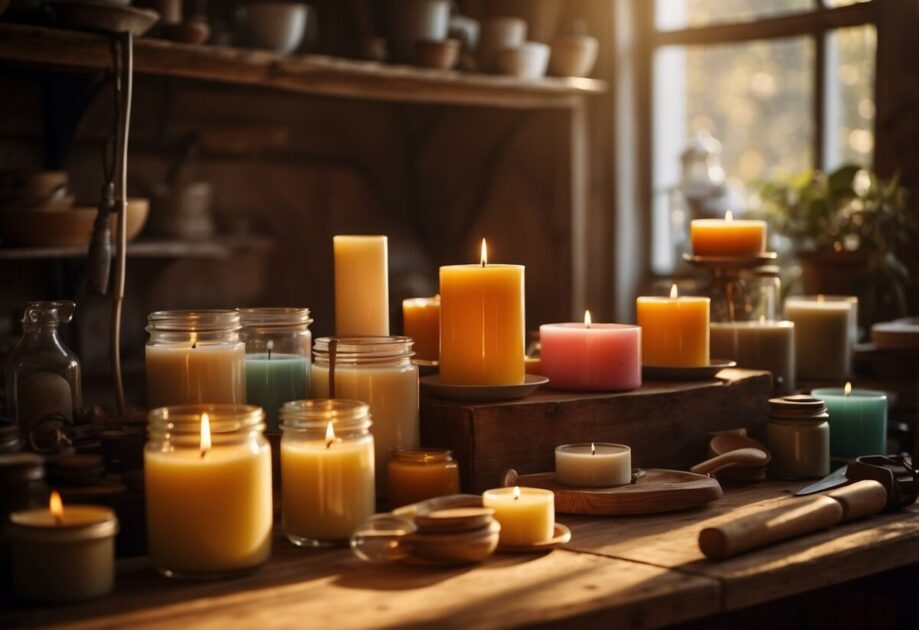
point(656, 491)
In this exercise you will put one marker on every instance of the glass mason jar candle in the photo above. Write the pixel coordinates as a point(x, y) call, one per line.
point(419, 474)
point(195, 357)
point(378, 371)
point(799, 437)
point(743, 295)
point(278, 353)
point(208, 486)
point(327, 487)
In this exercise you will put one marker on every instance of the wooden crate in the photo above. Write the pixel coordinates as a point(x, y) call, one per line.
point(666, 424)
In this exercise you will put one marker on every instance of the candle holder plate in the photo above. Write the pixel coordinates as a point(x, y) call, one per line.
point(686, 373)
point(481, 393)
point(560, 536)
point(731, 262)
point(657, 490)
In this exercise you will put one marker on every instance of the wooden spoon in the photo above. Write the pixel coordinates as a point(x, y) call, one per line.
point(741, 458)
point(730, 441)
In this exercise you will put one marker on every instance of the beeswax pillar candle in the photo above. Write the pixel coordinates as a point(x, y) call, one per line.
point(361, 285)
point(674, 330)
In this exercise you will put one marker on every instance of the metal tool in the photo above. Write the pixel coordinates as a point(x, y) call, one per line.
point(895, 472)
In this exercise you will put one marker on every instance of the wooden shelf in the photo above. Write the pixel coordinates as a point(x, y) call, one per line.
point(215, 248)
point(307, 74)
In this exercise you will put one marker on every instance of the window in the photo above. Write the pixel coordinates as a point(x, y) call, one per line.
point(783, 86)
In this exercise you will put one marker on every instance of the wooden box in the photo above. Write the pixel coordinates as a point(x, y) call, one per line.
point(666, 424)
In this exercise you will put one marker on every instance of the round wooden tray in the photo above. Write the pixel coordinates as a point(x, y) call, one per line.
point(658, 490)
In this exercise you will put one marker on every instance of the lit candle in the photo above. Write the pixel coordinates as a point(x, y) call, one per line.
point(208, 486)
point(858, 421)
point(593, 464)
point(590, 356)
point(482, 323)
point(762, 345)
point(327, 481)
point(273, 379)
point(675, 330)
point(195, 372)
point(826, 330)
point(716, 237)
point(361, 285)
point(526, 515)
point(62, 555)
point(421, 322)
point(417, 475)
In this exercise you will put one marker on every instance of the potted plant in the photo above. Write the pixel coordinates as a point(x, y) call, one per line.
point(852, 231)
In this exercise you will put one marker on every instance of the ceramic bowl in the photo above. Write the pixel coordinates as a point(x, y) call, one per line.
point(64, 228)
point(528, 61)
point(277, 26)
point(466, 30)
point(498, 34)
point(573, 56)
point(413, 20)
point(442, 55)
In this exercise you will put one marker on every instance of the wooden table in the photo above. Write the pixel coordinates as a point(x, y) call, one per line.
point(638, 571)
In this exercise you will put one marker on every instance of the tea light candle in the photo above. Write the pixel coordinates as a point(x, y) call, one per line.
point(762, 345)
point(482, 323)
point(588, 356)
point(858, 421)
point(826, 331)
point(593, 464)
point(716, 237)
point(421, 322)
point(417, 475)
point(361, 285)
point(209, 506)
point(675, 330)
point(62, 555)
point(526, 515)
point(196, 373)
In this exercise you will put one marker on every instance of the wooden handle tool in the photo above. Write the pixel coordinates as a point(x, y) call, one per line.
point(788, 521)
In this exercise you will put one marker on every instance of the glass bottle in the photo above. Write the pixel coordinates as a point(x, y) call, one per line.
point(43, 375)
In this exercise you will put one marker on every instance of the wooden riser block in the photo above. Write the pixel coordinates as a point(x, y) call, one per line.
point(666, 424)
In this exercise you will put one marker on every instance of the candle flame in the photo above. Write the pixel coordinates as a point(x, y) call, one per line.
point(593, 448)
point(820, 298)
point(329, 435)
point(56, 506)
point(205, 434)
point(848, 389)
point(516, 493)
point(484, 253)
point(673, 292)
point(728, 216)
point(587, 320)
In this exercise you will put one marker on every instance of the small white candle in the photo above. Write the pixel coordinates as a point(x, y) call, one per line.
point(526, 515)
point(593, 464)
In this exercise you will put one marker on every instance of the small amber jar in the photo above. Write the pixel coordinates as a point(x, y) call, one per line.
point(417, 475)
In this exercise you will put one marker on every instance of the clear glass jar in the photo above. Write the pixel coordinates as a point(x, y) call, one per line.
point(208, 487)
point(43, 375)
point(195, 357)
point(798, 435)
point(419, 474)
point(744, 295)
point(278, 354)
point(379, 371)
point(327, 470)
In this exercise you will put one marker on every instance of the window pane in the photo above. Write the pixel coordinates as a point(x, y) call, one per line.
point(676, 14)
point(754, 97)
point(850, 96)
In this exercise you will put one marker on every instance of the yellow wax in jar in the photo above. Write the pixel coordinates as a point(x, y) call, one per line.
point(210, 514)
point(526, 515)
point(420, 475)
point(482, 326)
point(421, 322)
point(201, 373)
point(327, 489)
point(716, 237)
point(675, 330)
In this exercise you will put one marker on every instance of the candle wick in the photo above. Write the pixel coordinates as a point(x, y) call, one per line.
point(203, 452)
point(593, 449)
point(269, 354)
point(194, 344)
point(328, 443)
point(58, 519)
point(483, 263)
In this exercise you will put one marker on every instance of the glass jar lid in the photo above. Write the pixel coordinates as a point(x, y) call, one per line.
point(316, 414)
point(182, 423)
point(271, 317)
point(422, 455)
point(206, 320)
point(363, 349)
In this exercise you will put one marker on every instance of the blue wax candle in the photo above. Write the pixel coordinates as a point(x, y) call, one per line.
point(273, 379)
point(858, 421)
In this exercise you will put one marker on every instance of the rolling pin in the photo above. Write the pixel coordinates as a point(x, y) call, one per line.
point(788, 521)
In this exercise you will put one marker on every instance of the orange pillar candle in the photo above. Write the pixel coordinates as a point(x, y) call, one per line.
point(675, 330)
point(482, 324)
point(716, 237)
point(421, 322)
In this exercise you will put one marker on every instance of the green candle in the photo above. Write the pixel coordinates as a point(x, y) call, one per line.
point(273, 379)
point(858, 421)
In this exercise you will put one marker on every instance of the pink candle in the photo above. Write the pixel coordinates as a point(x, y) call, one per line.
point(600, 357)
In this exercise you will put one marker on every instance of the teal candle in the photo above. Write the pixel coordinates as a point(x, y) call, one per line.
point(273, 379)
point(858, 421)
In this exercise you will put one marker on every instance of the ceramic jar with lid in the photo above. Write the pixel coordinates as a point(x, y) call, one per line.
point(799, 437)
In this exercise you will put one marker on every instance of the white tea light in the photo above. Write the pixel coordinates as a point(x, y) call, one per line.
point(593, 464)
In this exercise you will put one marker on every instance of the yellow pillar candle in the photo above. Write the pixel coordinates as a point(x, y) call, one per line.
point(327, 485)
point(421, 322)
point(675, 330)
point(209, 510)
point(526, 515)
point(361, 285)
point(417, 475)
point(482, 324)
point(716, 237)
